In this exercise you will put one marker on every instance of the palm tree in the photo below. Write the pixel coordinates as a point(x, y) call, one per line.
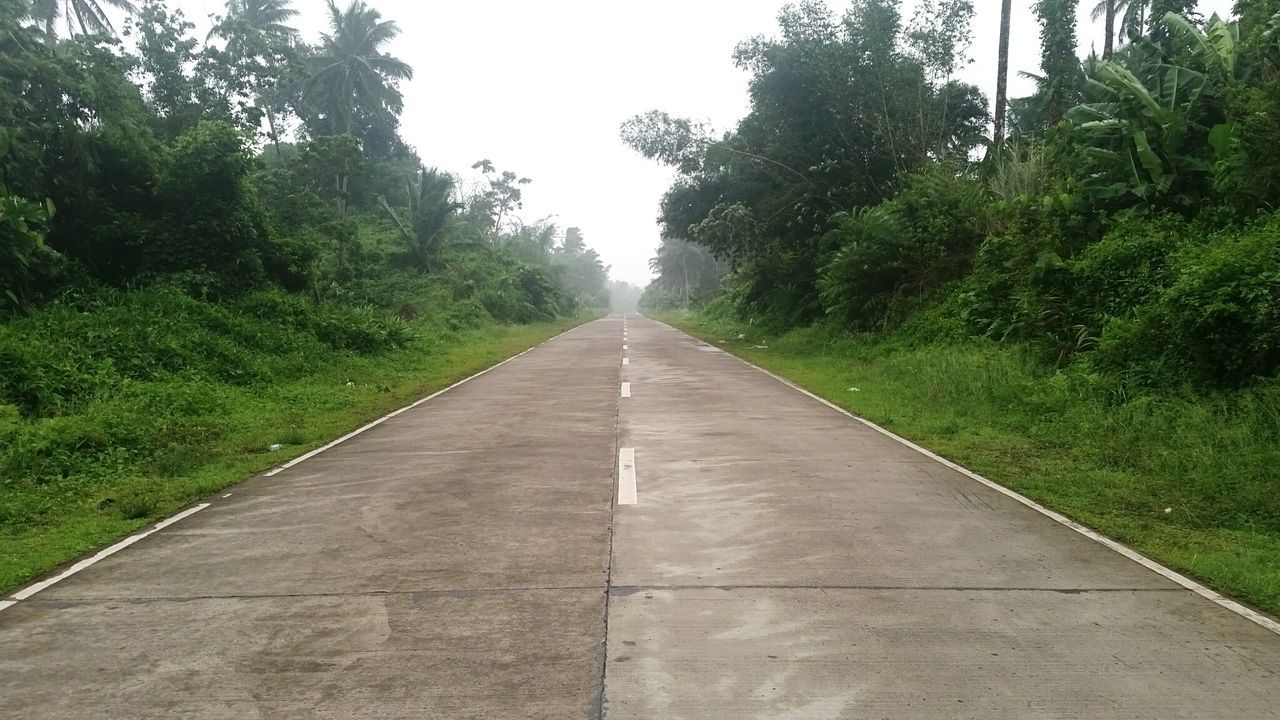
point(1124, 19)
point(250, 24)
point(676, 261)
point(350, 72)
point(1110, 25)
point(1002, 77)
point(256, 31)
point(432, 204)
point(87, 17)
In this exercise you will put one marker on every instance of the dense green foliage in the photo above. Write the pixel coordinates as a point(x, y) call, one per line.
point(1128, 225)
point(125, 168)
point(210, 248)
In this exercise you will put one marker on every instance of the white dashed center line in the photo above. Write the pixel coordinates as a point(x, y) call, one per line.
point(626, 389)
point(627, 476)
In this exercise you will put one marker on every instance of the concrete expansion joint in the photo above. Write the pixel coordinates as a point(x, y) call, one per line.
point(476, 592)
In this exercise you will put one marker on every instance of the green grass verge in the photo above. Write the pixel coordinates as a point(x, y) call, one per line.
point(224, 432)
point(1190, 480)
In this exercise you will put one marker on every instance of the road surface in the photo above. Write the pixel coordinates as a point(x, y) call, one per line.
point(639, 528)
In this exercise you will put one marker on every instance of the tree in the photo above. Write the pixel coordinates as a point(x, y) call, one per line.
point(502, 198)
point(432, 203)
point(584, 275)
point(1002, 73)
point(841, 108)
point(251, 25)
point(1110, 13)
point(83, 17)
point(351, 74)
point(573, 243)
point(259, 39)
point(1062, 77)
point(1159, 138)
point(684, 268)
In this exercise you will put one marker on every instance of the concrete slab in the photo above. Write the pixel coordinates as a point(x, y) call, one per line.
point(801, 495)
point(784, 561)
point(823, 654)
point(376, 656)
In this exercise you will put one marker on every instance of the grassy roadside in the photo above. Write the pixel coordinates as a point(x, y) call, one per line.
point(221, 434)
point(1192, 481)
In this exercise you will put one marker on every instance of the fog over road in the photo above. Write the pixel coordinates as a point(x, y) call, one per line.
point(674, 536)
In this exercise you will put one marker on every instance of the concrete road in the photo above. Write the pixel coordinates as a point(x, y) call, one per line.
point(654, 532)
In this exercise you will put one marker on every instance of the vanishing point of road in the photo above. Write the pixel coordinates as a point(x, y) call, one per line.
point(625, 523)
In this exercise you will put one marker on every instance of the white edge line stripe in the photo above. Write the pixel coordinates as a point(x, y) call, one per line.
point(1134, 555)
point(7, 603)
point(407, 408)
point(627, 494)
point(32, 589)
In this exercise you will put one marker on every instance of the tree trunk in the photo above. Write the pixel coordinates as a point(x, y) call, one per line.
point(684, 265)
point(1002, 77)
point(1109, 46)
point(275, 136)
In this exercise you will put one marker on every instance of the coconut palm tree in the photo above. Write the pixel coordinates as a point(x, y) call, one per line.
point(257, 31)
point(251, 24)
point(351, 73)
point(432, 204)
point(1002, 78)
point(84, 17)
point(1124, 19)
point(680, 265)
point(1109, 12)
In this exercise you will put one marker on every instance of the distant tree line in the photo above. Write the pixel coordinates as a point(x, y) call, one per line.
point(250, 159)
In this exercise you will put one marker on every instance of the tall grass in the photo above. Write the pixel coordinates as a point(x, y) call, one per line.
point(1190, 479)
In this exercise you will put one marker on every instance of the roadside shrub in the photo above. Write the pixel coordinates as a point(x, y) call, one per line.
point(466, 315)
point(1217, 319)
point(1121, 271)
point(364, 330)
point(857, 285)
point(211, 222)
point(924, 237)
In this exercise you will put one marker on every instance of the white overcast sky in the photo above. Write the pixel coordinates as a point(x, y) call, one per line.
point(540, 88)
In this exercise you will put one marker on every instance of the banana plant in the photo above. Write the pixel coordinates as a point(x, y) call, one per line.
point(1155, 137)
point(1216, 48)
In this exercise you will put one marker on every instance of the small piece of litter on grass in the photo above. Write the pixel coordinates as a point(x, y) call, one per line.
point(350, 384)
point(1168, 510)
point(742, 336)
point(855, 389)
point(275, 447)
point(762, 347)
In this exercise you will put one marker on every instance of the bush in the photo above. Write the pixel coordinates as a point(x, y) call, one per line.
point(211, 221)
point(467, 315)
point(59, 358)
point(364, 330)
point(921, 239)
point(1121, 271)
point(1216, 318)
